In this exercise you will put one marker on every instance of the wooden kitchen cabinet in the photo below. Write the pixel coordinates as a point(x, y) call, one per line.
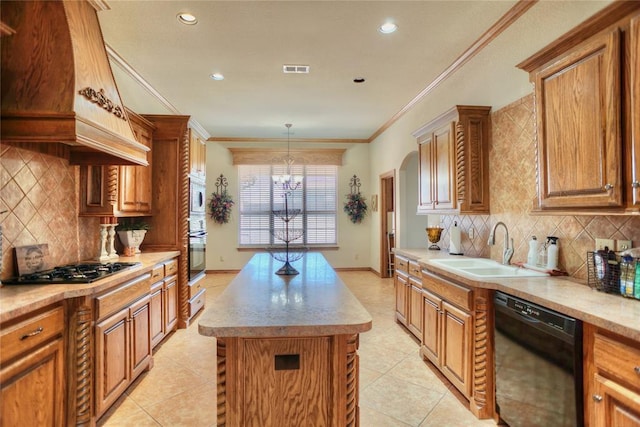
point(197, 154)
point(408, 292)
point(586, 94)
point(119, 190)
point(32, 370)
point(163, 308)
point(454, 162)
point(612, 379)
point(447, 340)
point(123, 339)
point(402, 289)
point(457, 339)
point(414, 323)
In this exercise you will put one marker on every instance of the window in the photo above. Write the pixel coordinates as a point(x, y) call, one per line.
point(314, 202)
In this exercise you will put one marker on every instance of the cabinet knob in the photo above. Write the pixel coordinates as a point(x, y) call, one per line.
point(635, 184)
point(597, 398)
point(608, 187)
point(637, 370)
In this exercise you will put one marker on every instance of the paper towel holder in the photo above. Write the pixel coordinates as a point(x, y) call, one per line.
point(454, 240)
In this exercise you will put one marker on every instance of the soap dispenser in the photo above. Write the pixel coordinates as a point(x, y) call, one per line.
point(552, 253)
point(532, 255)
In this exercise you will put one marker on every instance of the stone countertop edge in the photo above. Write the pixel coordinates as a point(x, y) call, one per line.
point(261, 304)
point(16, 300)
point(561, 293)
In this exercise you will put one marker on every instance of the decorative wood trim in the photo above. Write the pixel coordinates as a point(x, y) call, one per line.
point(496, 29)
point(480, 353)
point(261, 156)
point(112, 184)
point(84, 364)
point(183, 220)
point(598, 22)
point(460, 163)
point(98, 97)
point(221, 382)
point(231, 139)
point(352, 373)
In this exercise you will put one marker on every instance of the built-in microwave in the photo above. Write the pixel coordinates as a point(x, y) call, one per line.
point(197, 196)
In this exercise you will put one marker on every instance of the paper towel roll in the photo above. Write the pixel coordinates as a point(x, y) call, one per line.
point(454, 240)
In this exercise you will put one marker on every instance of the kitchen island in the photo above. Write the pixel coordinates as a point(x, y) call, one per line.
point(286, 346)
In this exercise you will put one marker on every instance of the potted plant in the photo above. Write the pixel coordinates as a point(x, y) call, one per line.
point(131, 234)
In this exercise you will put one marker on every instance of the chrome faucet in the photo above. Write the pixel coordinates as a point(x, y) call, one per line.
point(507, 252)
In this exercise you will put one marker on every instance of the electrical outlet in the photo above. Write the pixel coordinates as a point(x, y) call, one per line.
point(221, 258)
point(623, 245)
point(357, 256)
point(602, 243)
point(472, 232)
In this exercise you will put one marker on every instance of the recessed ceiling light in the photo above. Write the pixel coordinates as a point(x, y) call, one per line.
point(217, 76)
point(187, 18)
point(388, 28)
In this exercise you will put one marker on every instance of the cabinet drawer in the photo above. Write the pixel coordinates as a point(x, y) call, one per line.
point(170, 267)
point(157, 273)
point(402, 264)
point(122, 296)
point(452, 292)
point(197, 302)
point(414, 269)
point(30, 333)
point(194, 288)
point(618, 359)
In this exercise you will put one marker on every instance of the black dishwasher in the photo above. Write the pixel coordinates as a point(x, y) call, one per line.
point(538, 365)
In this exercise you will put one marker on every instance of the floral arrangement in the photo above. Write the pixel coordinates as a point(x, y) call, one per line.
point(220, 207)
point(356, 207)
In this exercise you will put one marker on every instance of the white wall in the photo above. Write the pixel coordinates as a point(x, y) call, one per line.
point(354, 240)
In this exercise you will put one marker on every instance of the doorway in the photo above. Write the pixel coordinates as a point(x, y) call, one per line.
point(387, 223)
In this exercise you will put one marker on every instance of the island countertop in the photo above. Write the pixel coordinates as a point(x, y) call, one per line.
point(260, 303)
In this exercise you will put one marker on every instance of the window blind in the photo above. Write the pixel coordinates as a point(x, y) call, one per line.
point(316, 199)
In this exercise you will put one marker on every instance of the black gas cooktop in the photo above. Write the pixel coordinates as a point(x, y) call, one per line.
point(72, 273)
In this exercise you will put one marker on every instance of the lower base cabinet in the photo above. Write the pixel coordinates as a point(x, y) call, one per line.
point(32, 370)
point(123, 340)
point(164, 301)
point(612, 379)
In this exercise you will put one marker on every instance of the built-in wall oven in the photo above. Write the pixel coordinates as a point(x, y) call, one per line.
point(538, 365)
point(197, 230)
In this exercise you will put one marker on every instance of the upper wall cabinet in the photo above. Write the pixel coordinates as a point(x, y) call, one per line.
point(586, 96)
point(454, 162)
point(119, 190)
point(197, 155)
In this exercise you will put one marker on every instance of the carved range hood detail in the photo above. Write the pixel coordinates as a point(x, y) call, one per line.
point(58, 87)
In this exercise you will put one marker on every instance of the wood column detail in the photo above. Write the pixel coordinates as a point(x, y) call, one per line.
point(353, 368)
point(481, 403)
point(183, 218)
point(83, 366)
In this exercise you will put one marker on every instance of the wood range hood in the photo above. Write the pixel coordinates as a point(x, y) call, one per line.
point(58, 91)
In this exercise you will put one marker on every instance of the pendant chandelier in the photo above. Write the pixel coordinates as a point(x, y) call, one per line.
point(287, 181)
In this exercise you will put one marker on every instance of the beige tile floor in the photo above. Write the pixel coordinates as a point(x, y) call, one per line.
point(396, 388)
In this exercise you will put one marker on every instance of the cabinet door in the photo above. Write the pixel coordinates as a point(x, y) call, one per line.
point(112, 359)
point(426, 192)
point(615, 405)
point(456, 347)
point(156, 310)
point(579, 135)
point(401, 298)
point(32, 388)
point(415, 309)
point(634, 140)
point(431, 327)
point(135, 181)
point(140, 336)
point(443, 174)
point(171, 303)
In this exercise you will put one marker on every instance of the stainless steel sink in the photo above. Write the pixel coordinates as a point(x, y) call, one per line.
point(484, 268)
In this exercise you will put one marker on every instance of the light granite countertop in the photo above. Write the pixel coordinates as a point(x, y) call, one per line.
point(563, 294)
point(260, 303)
point(16, 300)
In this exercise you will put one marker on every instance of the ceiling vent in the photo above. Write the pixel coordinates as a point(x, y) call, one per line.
point(295, 69)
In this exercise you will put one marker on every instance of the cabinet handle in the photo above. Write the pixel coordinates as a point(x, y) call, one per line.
point(32, 333)
point(635, 184)
point(597, 398)
point(637, 370)
point(608, 187)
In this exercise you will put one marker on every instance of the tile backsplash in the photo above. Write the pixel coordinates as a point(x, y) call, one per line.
point(512, 179)
point(39, 194)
